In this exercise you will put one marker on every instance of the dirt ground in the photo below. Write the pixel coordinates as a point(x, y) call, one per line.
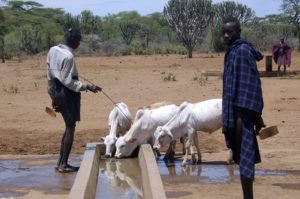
point(25, 128)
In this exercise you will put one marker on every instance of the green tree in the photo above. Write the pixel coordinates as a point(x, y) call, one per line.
point(128, 16)
point(128, 30)
point(110, 27)
point(31, 39)
point(144, 33)
point(291, 9)
point(189, 19)
point(158, 29)
point(224, 9)
point(50, 31)
point(97, 25)
point(13, 43)
point(3, 31)
point(274, 19)
point(69, 21)
point(86, 22)
point(237, 10)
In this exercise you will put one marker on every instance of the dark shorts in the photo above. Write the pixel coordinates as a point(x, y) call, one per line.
point(69, 103)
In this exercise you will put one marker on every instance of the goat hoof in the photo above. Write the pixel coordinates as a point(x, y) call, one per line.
point(229, 162)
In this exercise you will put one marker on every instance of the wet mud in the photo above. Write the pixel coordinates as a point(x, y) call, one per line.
point(38, 174)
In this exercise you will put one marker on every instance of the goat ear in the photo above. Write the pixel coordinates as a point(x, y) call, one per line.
point(102, 138)
point(170, 134)
point(131, 140)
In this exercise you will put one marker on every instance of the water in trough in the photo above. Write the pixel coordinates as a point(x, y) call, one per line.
point(119, 178)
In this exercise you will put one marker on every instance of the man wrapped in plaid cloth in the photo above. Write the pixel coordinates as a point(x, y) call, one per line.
point(242, 102)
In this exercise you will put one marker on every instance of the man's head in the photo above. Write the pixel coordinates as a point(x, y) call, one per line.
point(231, 30)
point(282, 39)
point(72, 38)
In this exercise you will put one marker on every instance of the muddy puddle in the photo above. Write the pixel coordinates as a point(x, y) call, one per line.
point(207, 172)
point(38, 174)
point(119, 178)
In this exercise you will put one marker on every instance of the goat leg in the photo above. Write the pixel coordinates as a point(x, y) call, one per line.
point(196, 142)
point(187, 150)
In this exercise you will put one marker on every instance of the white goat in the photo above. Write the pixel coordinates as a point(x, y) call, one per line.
point(146, 121)
point(204, 116)
point(119, 121)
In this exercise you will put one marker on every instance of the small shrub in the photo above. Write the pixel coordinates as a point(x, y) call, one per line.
point(36, 85)
point(169, 77)
point(202, 79)
point(174, 50)
point(12, 89)
point(125, 50)
point(174, 65)
point(37, 65)
point(137, 48)
point(149, 51)
point(116, 76)
point(40, 76)
point(111, 47)
point(196, 77)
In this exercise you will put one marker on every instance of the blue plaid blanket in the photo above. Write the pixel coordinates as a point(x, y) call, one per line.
point(242, 88)
point(248, 155)
point(241, 82)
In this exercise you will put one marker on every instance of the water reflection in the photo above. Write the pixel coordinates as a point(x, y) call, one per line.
point(208, 173)
point(215, 172)
point(119, 178)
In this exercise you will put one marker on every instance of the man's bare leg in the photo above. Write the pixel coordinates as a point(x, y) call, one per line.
point(247, 186)
point(67, 143)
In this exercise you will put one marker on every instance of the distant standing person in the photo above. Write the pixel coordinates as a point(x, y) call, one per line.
point(242, 102)
point(281, 54)
point(64, 89)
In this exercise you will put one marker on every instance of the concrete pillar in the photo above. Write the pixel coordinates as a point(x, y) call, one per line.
point(269, 63)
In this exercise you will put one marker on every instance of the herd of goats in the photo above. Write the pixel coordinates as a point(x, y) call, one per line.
point(161, 124)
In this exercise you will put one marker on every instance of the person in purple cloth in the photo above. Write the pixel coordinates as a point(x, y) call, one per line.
point(242, 102)
point(281, 54)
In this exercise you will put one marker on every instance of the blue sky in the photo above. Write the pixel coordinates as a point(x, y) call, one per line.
point(144, 7)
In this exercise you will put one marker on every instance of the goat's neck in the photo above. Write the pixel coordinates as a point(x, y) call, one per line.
point(114, 129)
point(178, 132)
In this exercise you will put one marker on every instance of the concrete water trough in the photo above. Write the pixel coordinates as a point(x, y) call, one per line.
point(87, 184)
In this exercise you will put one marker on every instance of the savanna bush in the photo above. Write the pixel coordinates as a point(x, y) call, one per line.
point(12, 44)
point(110, 47)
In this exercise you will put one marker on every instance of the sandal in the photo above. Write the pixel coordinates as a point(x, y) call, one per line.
point(68, 169)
